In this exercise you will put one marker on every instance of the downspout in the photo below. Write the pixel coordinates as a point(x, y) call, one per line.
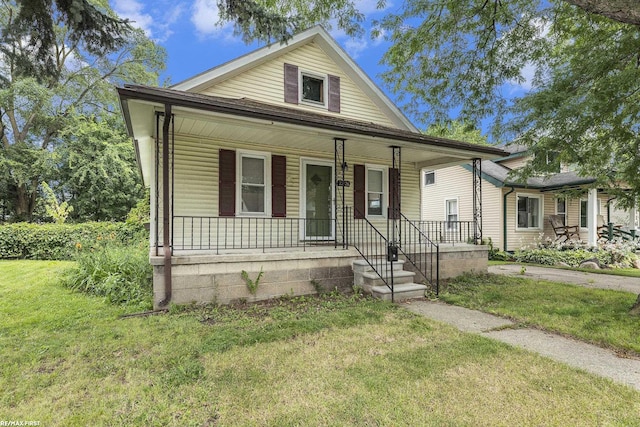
point(166, 238)
point(504, 218)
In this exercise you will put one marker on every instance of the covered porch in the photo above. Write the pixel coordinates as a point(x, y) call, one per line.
point(234, 182)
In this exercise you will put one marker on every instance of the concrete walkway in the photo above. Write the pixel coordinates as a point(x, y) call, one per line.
point(590, 358)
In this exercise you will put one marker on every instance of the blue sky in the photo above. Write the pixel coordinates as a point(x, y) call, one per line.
point(194, 42)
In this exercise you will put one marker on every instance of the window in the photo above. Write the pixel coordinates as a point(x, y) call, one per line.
point(375, 191)
point(451, 212)
point(584, 207)
point(429, 177)
point(313, 88)
point(529, 211)
point(253, 188)
point(561, 209)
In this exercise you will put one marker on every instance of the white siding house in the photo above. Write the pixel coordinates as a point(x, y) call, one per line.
point(515, 214)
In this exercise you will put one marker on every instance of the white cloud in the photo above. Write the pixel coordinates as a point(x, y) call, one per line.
point(528, 71)
point(206, 18)
point(133, 11)
point(355, 47)
point(371, 6)
point(156, 23)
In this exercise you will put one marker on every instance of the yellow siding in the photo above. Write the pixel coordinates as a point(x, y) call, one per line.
point(457, 182)
point(516, 163)
point(196, 190)
point(266, 83)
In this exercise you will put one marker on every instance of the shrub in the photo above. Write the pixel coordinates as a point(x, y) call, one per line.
point(121, 274)
point(573, 253)
point(63, 241)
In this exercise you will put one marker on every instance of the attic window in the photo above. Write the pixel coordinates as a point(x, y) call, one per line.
point(313, 88)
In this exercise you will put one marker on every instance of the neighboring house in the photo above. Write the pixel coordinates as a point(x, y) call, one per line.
point(517, 214)
point(287, 161)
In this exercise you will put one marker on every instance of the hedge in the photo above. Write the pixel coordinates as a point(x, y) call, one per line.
point(63, 241)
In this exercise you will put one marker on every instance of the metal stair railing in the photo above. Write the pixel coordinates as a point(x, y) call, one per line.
point(420, 251)
point(372, 246)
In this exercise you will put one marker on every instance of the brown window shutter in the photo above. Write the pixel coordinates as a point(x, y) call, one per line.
point(359, 191)
point(334, 94)
point(394, 194)
point(227, 183)
point(278, 186)
point(290, 83)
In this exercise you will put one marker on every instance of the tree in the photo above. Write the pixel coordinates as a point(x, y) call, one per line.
point(96, 169)
point(584, 101)
point(34, 110)
point(34, 25)
point(460, 131)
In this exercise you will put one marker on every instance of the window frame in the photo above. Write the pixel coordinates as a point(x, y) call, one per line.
point(540, 199)
point(325, 88)
point(449, 224)
point(562, 214)
point(586, 213)
point(384, 196)
point(424, 178)
point(266, 158)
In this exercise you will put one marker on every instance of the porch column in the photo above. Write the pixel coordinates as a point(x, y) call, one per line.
point(592, 217)
point(477, 201)
point(632, 217)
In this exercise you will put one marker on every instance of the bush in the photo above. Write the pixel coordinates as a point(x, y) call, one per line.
point(121, 274)
point(63, 241)
point(572, 253)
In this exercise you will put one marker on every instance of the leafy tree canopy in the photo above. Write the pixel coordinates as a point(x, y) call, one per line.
point(584, 97)
point(36, 112)
point(459, 131)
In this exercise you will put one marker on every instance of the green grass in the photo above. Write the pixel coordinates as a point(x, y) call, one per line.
point(593, 315)
point(70, 359)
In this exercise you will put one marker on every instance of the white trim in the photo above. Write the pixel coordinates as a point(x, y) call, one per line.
point(304, 161)
point(587, 212)
point(540, 211)
point(423, 177)
point(325, 88)
point(566, 208)
point(267, 182)
point(446, 210)
point(385, 189)
point(315, 34)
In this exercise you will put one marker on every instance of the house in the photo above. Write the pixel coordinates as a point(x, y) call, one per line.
point(516, 214)
point(286, 170)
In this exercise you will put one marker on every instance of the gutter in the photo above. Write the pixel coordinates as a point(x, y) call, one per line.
point(504, 218)
point(166, 248)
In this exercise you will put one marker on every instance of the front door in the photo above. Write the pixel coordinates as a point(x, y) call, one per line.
point(317, 200)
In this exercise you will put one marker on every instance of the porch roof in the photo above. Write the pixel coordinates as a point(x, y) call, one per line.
point(259, 110)
point(499, 176)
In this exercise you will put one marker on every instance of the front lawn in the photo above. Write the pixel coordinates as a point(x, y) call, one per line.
point(593, 315)
point(70, 359)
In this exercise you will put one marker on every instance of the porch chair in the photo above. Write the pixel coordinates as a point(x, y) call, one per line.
point(561, 230)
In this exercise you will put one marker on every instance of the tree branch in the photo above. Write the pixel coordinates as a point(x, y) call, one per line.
point(625, 11)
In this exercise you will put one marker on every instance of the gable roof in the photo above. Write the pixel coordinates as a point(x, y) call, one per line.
point(316, 35)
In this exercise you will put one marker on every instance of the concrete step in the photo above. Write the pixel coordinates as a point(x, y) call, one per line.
point(371, 279)
point(362, 266)
point(401, 292)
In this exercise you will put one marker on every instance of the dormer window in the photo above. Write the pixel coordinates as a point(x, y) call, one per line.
point(313, 88)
